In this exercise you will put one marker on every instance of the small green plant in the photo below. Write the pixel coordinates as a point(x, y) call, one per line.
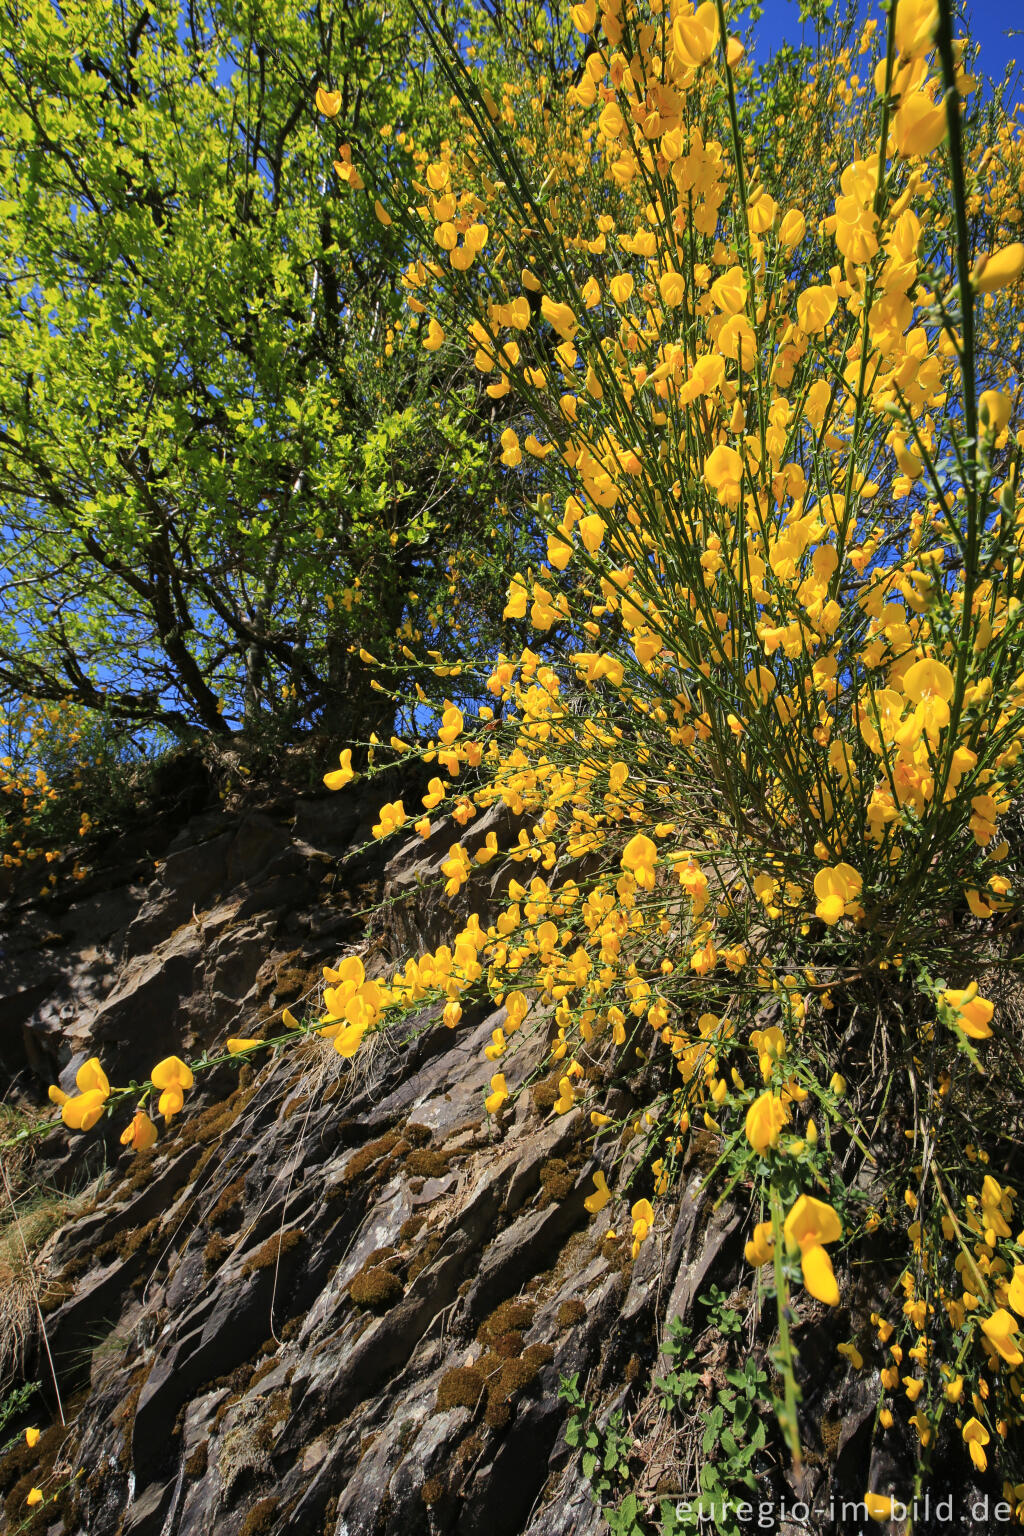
point(605, 1458)
point(734, 1434)
point(730, 1401)
point(11, 1407)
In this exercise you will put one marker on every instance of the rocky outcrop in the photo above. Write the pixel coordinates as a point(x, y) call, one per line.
point(338, 1297)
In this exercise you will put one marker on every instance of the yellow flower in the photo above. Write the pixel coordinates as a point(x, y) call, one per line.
point(621, 287)
point(729, 291)
point(639, 857)
point(435, 794)
point(916, 21)
point(793, 228)
point(809, 1226)
point(498, 1094)
point(343, 775)
point(973, 1012)
point(765, 1119)
point(392, 817)
point(815, 308)
point(1001, 1331)
point(91, 1078)
point(928, 679)
point(976, 1437)
point(434, 338)
point(919, 125)
point(643, 1219)
point(174, 1078)
point(451, 725)
point(236, 1045)
point(999, 269)
point(498, 1045)
point(835, 888)
point(140, 1134)
point(761, 1247)
point(31, 1437)
point(328, 102)
point(694, 37)
point(35, 1496)
point(994, 407)
point(349, 1038)
point(602, 1194)
point(84, 1110)
point(1015, 1291)
point(723, 474)
point(592, 529)
point(566, 1098)
point(560, 317)
point(878, 1506)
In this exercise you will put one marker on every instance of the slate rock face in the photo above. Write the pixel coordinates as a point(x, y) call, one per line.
point(334, 1297)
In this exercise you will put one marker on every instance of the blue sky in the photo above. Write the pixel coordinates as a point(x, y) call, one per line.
point(990, 21)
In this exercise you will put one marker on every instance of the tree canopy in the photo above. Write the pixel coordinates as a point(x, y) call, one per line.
point(223, 466)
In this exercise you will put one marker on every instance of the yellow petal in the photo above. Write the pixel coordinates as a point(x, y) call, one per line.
point(602, 1194)
point(818, 1275)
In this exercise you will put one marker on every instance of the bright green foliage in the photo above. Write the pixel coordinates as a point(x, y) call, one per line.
point(716, 1416)
point(222, 467)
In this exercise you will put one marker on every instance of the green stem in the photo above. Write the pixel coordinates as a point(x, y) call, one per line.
point(787, 1413)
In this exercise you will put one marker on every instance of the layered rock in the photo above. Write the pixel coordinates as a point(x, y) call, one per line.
point(338, 1297)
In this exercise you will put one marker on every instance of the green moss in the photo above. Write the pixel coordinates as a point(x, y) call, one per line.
point(291, 982)
point(195, 1466)
point(367, 1155)
point(379, 1255)
point(264, 1369)
point(516, 1375)
point(128, 1243)
point(512, 1378)
point(375, 1289)
point(615, 1251)
point(831, 1430)
point(210, 1125)
point(411, 1228)
point(702, 1150)
point(511, 1316)
point(508, 1345)
point(274, 1248)
point(424, 1163)
point(467, 1451)
point(215, 1250)
point(230, 1197)
point(433, 1490)
point(294, 1105)
point(418, 1135)
point(459, 1388)
point(423, 1256)
point(498, 1412)
point(142, 1162)
point(570, 1313)
point(556, 1180)
point(545, 1093)
point(276, 1409)
point(259, 1517)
